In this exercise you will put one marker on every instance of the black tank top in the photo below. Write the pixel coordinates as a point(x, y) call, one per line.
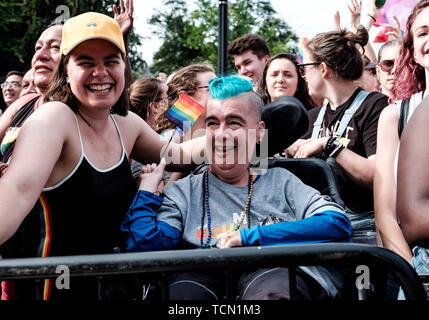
point(78, 216)
point(86, 208)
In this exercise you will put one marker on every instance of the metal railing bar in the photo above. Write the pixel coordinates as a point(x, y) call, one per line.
point(336, 254)
point(292, 283)
point(228, 285)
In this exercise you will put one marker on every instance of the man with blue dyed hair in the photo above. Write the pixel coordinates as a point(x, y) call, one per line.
point(230, 205)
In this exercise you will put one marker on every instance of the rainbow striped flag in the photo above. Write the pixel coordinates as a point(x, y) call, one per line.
point(184, 112)
point(301, 49)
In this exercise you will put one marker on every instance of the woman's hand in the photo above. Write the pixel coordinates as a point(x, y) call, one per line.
point(291, 151)
point(125, 17)
point(151, 175)
point(229, 239)
point(355, 9)
point(337, 21)
point(312, 148)
point(394, 33)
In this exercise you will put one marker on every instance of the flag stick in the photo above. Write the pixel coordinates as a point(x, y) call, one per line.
point(166, 147)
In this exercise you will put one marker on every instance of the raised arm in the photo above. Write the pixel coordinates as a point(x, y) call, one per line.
point(372, 14)
point(368, 21)
point(149, 146)
point(125, 18)
point(144, 232)
point(394, 32)
point(355, 9)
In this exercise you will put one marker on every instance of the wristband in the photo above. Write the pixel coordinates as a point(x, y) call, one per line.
point(338, 148)
point(372, 17)
point(332, 148)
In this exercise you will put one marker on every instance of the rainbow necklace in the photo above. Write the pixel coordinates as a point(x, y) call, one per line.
point(206, 208)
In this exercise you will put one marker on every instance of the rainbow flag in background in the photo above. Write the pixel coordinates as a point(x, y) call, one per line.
point(184, 112)
point(399, 8)
point(301, 49)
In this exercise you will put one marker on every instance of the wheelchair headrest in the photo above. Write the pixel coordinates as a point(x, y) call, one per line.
point(286, 120)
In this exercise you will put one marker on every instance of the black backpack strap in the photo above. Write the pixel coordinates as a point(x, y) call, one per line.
point(403, 115)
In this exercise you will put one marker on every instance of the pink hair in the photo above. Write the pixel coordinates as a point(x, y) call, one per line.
point(409, 75)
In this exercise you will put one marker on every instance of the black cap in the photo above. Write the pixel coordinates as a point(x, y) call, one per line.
point(286, 120)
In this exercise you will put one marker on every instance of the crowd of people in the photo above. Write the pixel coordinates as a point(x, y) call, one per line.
point(92, 162)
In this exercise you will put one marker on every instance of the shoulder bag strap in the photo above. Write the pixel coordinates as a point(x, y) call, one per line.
point(350, 112)
point(318, 123)
point(403, 115)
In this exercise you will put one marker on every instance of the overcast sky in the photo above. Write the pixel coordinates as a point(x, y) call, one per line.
point(305, 17)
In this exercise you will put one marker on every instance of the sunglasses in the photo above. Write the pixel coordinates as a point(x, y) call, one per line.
point(301, 66)
point(386, 65)
point(372, 71)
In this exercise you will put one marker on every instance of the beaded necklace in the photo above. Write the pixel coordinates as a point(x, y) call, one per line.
point(206, 208)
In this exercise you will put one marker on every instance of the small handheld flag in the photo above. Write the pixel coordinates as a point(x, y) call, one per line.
point(184, 112)
point(301, 49)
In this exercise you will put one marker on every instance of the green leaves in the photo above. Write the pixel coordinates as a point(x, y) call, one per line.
point(189, 35)
point(24, 20)
point(193, 36)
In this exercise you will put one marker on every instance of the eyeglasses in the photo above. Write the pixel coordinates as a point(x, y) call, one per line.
point(13, 84)
point(162, 100)
point(386, 65)
point(372, 71)
point(301, 67)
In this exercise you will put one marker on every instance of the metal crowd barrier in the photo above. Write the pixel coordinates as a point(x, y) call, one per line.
point(346, 256)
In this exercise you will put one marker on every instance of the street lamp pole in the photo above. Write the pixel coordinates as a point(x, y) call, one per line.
point(223, 38)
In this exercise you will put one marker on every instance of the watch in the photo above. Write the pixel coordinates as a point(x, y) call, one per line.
point(332, 148)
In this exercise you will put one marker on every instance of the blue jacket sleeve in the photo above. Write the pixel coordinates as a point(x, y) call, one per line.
point(323, 226)
point(144, 232)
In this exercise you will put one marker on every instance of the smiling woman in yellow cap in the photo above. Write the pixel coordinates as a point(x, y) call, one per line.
point(80, 147)
point(94, 68)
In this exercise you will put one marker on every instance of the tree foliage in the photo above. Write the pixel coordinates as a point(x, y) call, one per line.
point(24, 20)
point(192, 36)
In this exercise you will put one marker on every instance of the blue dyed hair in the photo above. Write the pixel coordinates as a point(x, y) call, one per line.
point(232, 86)
point(228, 87)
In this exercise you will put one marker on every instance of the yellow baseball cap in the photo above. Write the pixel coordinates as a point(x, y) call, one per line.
point(91, 25)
